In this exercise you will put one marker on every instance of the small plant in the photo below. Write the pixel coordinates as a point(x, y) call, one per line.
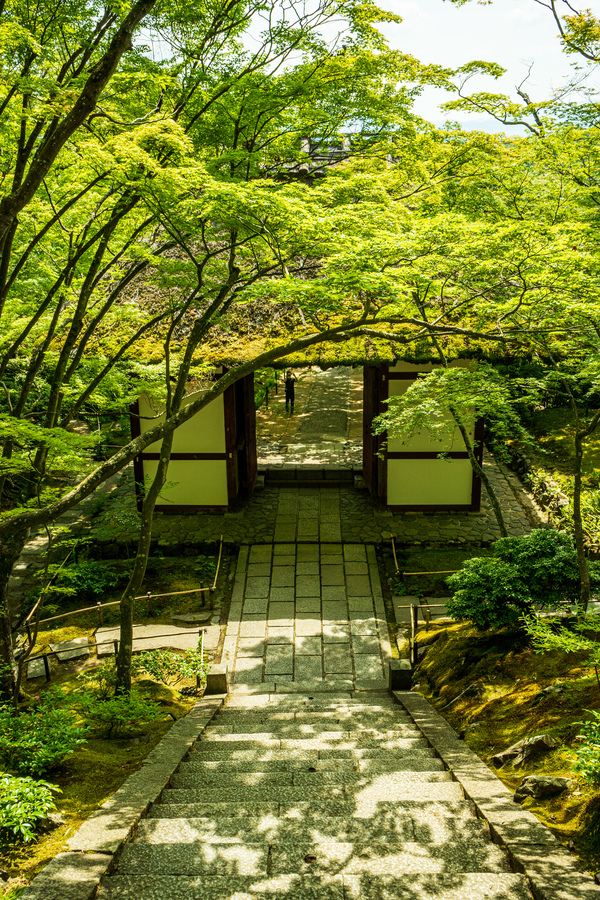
point(22, 802)
point(101, 680)
point(169, 667)
point(588, 755)
point(113, 716)
point(205, 568)
point(34, 741)
point(495, 592)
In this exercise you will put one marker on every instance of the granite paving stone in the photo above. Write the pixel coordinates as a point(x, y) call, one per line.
point(308, 667)
point(282, 595)
point(251, 647)
point(281, 610)
point(308, 604)
point(279, 659)
point(255, 606)
point(307, 586)
point(257, 587)
point(283, 576)
point(253, 629)
point(280, 634)
point(358, 586)
point(334, 592)
point(337, 659)
point(307, 645)
point(259, 569)
point(287, 560)
point(335, 632)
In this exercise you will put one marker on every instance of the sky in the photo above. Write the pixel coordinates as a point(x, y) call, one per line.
point(513, 33)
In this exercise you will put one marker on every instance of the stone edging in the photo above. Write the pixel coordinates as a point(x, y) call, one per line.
point(553, 873)
point(75, 874)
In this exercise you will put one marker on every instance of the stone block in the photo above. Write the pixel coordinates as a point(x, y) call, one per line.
point(280, 634)
point(308, 667)
point(69, 876)
point(337, 659)
point(283, 576)
point(257, 587)
point(354, 552)
point(78, 648)
point(399, 675)
point(335, 632)
point(279, 660)
point(358, 586)
point(368, 666)
point(260, 553)
point(217, 680)
point(308, 604)
point(308, 553)
point(251, 647)
point(308, 586)
point(307, 645)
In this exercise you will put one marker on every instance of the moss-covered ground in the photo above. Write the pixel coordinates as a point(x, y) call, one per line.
point(489, 684)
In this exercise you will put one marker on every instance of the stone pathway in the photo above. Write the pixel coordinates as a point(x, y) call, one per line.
point(282, 514)
point(325, 430)
point(321, 797)
point(305, 616)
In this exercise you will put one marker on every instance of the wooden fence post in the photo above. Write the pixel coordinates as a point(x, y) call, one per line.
point(100, 616)
point(414, 621)
point(47, 667)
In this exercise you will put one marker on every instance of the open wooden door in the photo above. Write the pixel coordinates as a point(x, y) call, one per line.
point(374, 393)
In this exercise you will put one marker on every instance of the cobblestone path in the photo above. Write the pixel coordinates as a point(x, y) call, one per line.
point(327, 796)
point(306, 616)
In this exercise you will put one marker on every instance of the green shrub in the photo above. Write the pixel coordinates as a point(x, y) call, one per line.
point(33, 741)
point(169, 667)
point(494, 592)
point(90, 580)
point(113, 716)
point(22, 802)
point(588, 755)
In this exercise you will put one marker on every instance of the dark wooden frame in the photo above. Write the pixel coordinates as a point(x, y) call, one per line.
point(375, 392)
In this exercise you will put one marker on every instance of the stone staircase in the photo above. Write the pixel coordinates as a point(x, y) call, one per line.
point(312, 797)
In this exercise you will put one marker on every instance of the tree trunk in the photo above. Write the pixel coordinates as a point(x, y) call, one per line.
point(10, 550)
point(123, 685)
point(584, 574)
point(481, 474)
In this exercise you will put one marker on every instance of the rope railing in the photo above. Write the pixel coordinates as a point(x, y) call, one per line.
point(149, 597)
point(45, 656)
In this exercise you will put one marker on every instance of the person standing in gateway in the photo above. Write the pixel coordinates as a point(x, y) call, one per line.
point(290, 381)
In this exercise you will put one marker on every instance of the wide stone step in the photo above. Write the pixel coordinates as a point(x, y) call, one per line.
point(299, 729)
point(190, 777)
point(365, 797)
point(309, 702)
point(428, 813)
point(317, 857)
point(296, 734)
point(393, 830)
point(358, 712)
point(394, 762)
point(211, 751)
point(464, 886)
